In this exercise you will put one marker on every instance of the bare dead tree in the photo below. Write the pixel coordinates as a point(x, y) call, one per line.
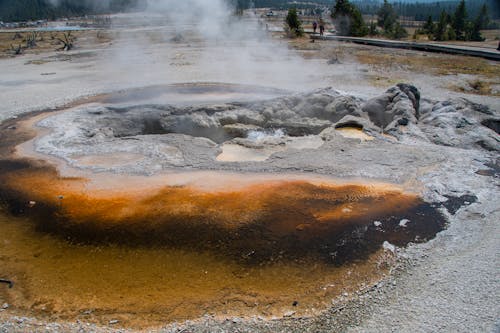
point(67, 42)
point(31, 39)
point(17, 50)
point(17, 35)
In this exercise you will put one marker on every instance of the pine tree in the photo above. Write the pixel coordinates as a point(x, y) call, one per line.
point(349, 20)
point(441, 32)
point(387, 17)
point(358, 26)
point(398, 31)
point(373, 29)
point(450, 34)
point(342, 8)
point(483, 19)
point(341, 13)
point(293, 22)
point(459, 21)
point(429, 26)
point(475, 31)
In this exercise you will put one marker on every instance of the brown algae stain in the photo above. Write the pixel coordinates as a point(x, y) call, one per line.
point(179, 252)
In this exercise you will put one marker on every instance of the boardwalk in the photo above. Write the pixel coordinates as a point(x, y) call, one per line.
point(430, 47)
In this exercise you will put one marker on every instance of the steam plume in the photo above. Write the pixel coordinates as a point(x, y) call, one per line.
point(229, 49)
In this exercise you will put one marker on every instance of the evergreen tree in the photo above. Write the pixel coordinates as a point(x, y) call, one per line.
point(398, 31)
point(293, 22)
point(342, 8)
point(441, 32)
point(429, 26)
point(373, 29)
point(348, 18)
point(450, 34)
point(388, 20)
point(459, 21)
point(358, 26)
point(341, 14)
point(475, 31)
point(483, 19)
point(387, 17)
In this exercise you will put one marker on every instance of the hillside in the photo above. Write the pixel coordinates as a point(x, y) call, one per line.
point(25, 10)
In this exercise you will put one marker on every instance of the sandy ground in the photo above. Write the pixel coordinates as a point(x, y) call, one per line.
point(449, 284)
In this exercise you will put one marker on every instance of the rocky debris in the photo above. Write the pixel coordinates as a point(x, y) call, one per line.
point(458, 123)
point(198, 124)
point(492, 123)
point(403, 223)
point(240, 130)
point(300, 126)
point(389, 247)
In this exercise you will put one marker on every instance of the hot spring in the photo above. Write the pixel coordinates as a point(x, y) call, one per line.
point(142, 207)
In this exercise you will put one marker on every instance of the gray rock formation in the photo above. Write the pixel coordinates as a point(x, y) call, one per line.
point(399, 106)
point(171, 136)
point(460, 123)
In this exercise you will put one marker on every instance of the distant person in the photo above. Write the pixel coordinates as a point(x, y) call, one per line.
point(315, 26)
point(321, 27)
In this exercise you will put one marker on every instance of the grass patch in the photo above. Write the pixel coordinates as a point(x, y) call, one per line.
point(384, 81)
point(304, 43)
point(48, 41)
point(431, 63)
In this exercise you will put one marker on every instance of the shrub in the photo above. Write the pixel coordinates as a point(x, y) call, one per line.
point(293, 22)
